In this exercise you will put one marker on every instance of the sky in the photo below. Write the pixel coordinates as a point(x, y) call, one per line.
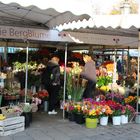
point(75, 6)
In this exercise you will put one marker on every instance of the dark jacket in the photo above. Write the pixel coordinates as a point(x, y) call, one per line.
point(51, 75)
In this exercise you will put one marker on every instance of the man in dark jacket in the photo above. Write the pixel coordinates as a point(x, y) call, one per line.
point(89, 73)
point(51, 78)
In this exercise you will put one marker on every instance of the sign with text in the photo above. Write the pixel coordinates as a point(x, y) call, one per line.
point(10, 32)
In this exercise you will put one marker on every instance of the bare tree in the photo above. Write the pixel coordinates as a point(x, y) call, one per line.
point(133, 5)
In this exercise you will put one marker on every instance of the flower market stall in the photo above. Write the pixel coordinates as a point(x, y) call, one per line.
point(111, 105)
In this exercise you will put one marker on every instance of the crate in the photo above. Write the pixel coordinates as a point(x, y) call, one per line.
point(12, 125)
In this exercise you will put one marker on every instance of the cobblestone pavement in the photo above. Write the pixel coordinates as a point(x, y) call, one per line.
point(50, 127)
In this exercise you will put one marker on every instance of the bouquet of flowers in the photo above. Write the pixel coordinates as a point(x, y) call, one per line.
point(92, 112)
point(128, 110)
point(36, 100)
point(78, 108)
point(131, 100)
point(117, 97)
point(105, 111)
point(117, 109)
point(43, 95)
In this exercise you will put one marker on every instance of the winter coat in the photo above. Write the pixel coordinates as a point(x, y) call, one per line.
point(51, 75)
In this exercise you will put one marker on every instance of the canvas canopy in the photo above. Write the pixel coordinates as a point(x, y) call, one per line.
point(40, 13)
point(117, 26)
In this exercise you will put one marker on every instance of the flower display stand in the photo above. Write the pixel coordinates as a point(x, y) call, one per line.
point(104, 120)
point(116, 120)
point(12, 125)
point(124, 119)
point(91, 123)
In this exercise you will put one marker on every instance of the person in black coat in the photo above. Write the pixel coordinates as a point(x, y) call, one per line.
point(51, 80)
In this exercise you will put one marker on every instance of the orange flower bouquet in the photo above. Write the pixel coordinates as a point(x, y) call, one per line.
point(92, 113)
point(105, 111)
point(131, 100)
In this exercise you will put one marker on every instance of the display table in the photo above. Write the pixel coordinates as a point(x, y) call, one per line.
point(12, 125)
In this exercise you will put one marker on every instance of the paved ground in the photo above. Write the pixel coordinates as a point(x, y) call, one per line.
point(45, 127)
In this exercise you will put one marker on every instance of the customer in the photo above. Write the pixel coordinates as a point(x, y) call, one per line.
point(89, 73)
point(52, 82)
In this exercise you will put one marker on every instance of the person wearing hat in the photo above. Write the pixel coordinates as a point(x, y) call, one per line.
point(89, 73)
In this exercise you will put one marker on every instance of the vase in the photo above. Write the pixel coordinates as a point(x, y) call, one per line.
point(0, 100)
point(91, 123)
point(79, 118)
point(71, 116)
point(137, 118)
point(27, 116)
point(124, 119)
point(116, 120)
point(66, 114)
point(104, 120)
point(46, 104)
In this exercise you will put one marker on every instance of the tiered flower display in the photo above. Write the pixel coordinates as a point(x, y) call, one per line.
point(112, 105)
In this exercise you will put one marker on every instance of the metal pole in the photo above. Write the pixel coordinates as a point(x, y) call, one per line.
point(115, 58)
point(123, 61)
point(115, 69)
point(137, 109)
point(5, 51)
point(26, 74)
point(128, 62)
point(65, 74)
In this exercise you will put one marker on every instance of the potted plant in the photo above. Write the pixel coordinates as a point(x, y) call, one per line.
point(116, 114)
point(91, 115)
point(103, 82)
point(79, 116)
point(127, 110)
point(105, 113)
point(44, 96)
point(71, 111)
point(27, 114)
point(74, 85)
point(116, 97)
point(131, 100)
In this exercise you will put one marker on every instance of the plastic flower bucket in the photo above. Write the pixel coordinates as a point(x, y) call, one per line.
point(124, 119)
point(116, 120)
point(91, 123)
point(0, 100)
point(104, 120)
